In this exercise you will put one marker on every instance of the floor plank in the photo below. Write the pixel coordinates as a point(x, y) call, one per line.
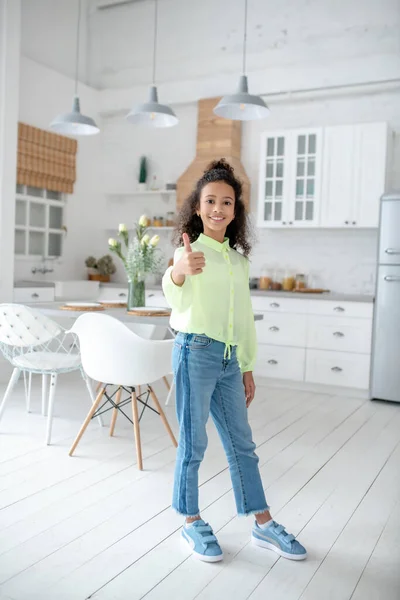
point(94, 526)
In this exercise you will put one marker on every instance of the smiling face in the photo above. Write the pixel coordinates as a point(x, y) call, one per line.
point(217, 209)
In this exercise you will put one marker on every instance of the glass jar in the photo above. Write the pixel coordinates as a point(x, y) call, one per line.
point(301, 281)
point(170, 219)
point(288, 281)
point(265, 281)
point(277, 280)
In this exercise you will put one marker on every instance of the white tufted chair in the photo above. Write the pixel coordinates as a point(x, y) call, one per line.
point(33, 343)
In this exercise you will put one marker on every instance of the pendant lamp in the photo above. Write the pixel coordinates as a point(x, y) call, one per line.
point(74, 123)
point(152, 113)
point(242, 106)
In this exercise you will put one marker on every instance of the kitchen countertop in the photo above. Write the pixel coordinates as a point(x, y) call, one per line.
point(333, 296)
point(37, 284)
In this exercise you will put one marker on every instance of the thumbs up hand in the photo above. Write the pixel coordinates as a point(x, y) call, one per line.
point(190, 263)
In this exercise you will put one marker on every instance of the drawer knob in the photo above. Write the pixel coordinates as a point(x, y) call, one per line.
point(122, 295)
point(338, 334)
point(272, 362)
point(336, 369)
point(339, 309)
point(35, 295)
point(275, 305)
point(151, 295)
point(273, 328)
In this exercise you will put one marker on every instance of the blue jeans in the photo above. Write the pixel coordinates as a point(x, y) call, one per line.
point(208, 380)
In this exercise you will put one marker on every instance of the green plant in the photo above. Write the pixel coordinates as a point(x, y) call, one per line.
point(91, 262)
point(104, 265)
point(142, 255)
point(143, 170)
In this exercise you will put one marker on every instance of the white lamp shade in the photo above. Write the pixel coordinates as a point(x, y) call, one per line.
point(152, 113)
point(74, 123)
point(242, 106)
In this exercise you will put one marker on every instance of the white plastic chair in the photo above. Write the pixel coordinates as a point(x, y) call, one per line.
point(33, 343)
point(115, 355)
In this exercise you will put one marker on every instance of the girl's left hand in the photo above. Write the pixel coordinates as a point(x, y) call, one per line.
point(249, 387)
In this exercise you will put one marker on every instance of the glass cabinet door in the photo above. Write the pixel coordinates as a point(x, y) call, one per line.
point(306, 178)
point(272, 179)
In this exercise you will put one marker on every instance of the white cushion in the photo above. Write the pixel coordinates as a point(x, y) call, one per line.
point(48, 361)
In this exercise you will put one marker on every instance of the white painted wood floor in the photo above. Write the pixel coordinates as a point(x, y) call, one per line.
point(93, 526)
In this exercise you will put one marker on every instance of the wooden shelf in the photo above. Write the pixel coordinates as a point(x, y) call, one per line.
point(151, 227)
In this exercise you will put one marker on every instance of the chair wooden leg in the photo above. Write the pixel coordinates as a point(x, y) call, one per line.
point(87, 421)
point(163, 417)
point(166, 383)
point(115, 411)
point(91, 394)
point(136, 428)
point(98, 387)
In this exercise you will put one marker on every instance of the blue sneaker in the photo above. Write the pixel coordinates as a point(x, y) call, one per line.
point(202, 541)
point(275, 538)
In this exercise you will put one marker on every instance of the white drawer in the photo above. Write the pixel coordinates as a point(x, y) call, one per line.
point(156, 298)
point(282, 329)
point(33, 294)
point(359, 310)
point(113, 293)
point(281, 362)
point(337, 368)
point(336, 333)
point(280, 305)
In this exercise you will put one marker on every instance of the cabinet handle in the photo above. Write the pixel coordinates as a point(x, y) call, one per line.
point(272, 362)
point(150, 295)
point(354, 223)
point(275, 305)
point(346, 222)
point(122, 295)
point(392, 251)
point(35, 295)
point(336, 369)
point(392, 278)
point(290, 222)
point(339, 309)
point(338, 334)
point(283, 222)
point(273, 328)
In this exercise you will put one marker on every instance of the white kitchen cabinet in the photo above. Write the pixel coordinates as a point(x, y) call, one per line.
point(337, 368)
point(290, 178)
point(25, 295)
point(112, 294)
point(280, 362)
point(282, 329)
point(316, 341)
point(340, 334)
point(354, 174)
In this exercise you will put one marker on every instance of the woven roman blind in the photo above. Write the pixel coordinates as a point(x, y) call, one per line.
point(46, 160)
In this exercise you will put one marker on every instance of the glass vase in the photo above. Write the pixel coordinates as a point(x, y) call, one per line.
point(136, 293)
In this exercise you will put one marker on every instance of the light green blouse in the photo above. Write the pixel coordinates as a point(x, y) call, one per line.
point(217, 302)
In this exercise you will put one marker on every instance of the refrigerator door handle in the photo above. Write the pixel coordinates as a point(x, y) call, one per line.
point(392, 278)
point(392, 251)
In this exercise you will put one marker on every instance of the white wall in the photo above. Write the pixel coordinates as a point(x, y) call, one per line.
point(45, 93)
point(10, 16)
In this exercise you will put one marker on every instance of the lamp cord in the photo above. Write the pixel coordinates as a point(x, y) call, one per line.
point(77, 47)
point(245, 37)
point(155, 40)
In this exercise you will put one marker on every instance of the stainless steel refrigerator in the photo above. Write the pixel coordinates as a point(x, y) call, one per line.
point(385, 366)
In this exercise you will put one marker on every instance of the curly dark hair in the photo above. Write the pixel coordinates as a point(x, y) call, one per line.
point(189, 222)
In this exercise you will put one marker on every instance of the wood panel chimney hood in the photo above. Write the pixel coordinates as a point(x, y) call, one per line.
point(216, 138)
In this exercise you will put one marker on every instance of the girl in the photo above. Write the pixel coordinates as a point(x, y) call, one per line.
point(213, 359)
